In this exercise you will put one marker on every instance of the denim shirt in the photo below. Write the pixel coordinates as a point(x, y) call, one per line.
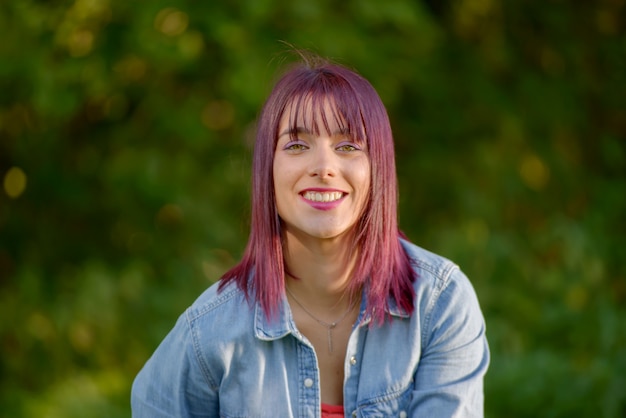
point(225, 358)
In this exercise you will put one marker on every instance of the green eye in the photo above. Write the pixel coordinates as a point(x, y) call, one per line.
point(347, 148)
point(294, 146)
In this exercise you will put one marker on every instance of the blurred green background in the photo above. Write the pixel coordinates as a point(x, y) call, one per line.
point(125, 148)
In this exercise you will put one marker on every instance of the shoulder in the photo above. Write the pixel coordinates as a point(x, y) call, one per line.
point(441, 287)
point(214, 300)
point(223, 313)
point(445, 301)
point(433, 271)
point(428, 263)
point(219, 320)
point(219, 311)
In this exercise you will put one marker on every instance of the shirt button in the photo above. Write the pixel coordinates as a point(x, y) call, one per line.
point(402, 414)
point(353, 360)
point(354, 414)
point(308, 382)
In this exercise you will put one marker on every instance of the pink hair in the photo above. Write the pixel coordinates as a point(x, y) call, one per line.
point(383, 268)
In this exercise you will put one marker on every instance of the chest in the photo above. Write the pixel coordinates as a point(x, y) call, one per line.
point(368, 371)
point(330, 342)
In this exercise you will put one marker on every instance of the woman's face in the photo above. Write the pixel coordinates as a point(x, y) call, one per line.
point(321, 181)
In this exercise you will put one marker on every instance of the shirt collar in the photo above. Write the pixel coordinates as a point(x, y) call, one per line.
point(282, 323)
point(275, 327)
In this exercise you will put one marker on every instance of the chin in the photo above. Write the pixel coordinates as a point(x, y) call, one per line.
point(317, 231)
point(330, 234)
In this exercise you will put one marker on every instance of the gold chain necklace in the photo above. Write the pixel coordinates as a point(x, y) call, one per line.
point(329, 326)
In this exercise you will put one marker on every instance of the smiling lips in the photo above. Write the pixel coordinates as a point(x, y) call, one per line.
point(322, 196)
point(323, 200)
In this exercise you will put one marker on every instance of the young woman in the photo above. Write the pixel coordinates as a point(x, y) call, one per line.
point(330, 312)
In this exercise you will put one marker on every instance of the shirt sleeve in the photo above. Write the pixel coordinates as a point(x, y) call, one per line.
point(455, 354)
point(172, 383)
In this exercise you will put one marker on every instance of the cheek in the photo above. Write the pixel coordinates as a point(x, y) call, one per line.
point(362, 176)
point(361, 180)
point(282, 176)
point(278, 172)
point(276, 179)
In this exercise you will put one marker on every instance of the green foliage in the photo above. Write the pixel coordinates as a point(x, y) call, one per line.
point(125, 137)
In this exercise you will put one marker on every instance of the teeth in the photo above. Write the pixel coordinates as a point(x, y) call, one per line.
point(323, 197)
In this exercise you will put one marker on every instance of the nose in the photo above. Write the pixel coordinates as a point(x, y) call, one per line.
point(323, 163)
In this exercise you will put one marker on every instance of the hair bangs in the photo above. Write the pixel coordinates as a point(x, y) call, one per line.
point(326, 105)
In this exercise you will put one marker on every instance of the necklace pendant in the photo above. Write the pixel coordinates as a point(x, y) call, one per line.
point(330, 340)
point(329, 326)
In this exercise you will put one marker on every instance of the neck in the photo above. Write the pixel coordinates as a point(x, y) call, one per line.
point(319, 270)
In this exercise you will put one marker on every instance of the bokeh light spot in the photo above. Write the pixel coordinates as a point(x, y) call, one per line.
point(171, 22)
point(191, 44)
point(169, 215)
point(40, 326)
point(81, 337)
point(80, 43)
point(131, 68)
point(15, 182)
point(534, 172)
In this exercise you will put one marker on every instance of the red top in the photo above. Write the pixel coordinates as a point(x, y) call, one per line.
point(332, 411)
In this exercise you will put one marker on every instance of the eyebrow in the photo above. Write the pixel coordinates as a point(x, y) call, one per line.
point(303, 130)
